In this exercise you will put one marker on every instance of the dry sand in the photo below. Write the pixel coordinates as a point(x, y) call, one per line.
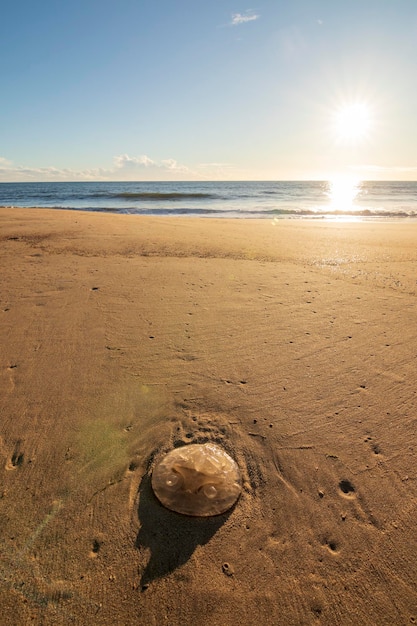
point(292, 345)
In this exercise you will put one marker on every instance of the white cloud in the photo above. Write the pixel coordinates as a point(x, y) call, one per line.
point(172, 164)
point(124, 160)
point(243, 18)
point(19, 173)
point(124, 167)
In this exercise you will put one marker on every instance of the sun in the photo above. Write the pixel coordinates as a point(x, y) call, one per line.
point(352, 122)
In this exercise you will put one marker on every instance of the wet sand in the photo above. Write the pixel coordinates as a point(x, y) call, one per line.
point(292, 345)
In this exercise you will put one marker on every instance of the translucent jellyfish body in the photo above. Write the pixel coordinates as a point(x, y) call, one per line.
point(198, 479)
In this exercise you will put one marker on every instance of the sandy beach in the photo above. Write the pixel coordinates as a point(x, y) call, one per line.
point(291, 344)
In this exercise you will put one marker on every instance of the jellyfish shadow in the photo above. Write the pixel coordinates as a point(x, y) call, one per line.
point(170, 537)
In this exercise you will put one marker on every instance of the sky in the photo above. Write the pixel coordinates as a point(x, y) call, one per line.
point(208, 90)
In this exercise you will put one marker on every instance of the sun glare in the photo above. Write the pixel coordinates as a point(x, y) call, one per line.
point(343, 191)
point(352, 123)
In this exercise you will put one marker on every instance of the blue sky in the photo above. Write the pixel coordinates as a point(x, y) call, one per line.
point(215, 89)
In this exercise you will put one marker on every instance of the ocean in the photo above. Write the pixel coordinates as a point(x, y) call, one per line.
point(365, 200)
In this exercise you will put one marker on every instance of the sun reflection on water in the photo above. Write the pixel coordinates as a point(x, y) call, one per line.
point(342, 194)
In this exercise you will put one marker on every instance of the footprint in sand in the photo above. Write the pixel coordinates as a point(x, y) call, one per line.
point(375, 447)
point(361, 509)
point(17, 457)
point(347, 489)
point(95, 548)
point(12, 368)
point(331, 545)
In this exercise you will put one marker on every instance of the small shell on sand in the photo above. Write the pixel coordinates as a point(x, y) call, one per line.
point(197, 479)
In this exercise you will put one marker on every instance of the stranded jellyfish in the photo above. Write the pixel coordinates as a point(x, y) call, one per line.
point(198, 479)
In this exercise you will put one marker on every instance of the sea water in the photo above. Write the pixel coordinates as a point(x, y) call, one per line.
point(273, 200)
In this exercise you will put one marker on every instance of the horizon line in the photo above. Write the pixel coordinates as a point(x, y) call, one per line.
point(237, 180)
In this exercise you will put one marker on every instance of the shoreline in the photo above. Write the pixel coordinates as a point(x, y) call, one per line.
point(289, 344)
point(355, 216)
